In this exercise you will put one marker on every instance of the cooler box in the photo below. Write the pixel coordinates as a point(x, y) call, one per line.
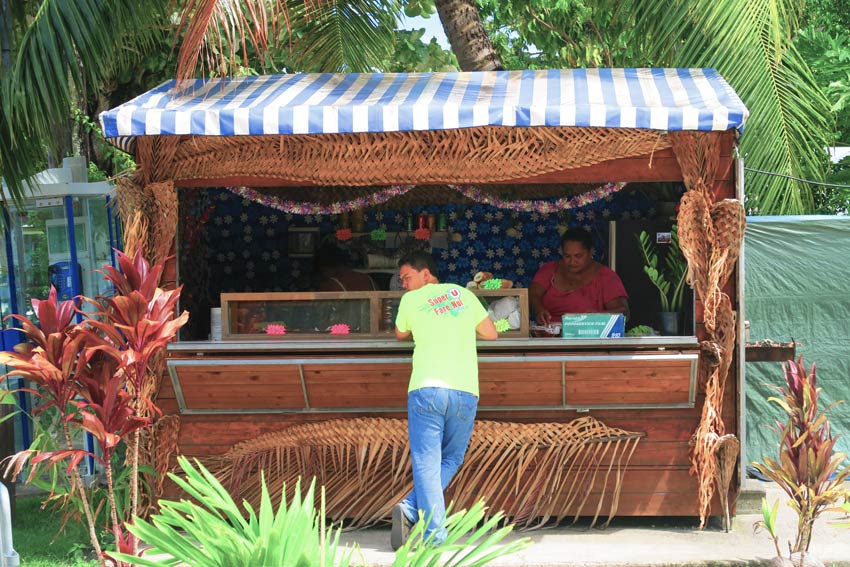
point(592, 326)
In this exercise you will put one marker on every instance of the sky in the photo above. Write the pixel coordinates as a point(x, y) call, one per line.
point(433, 28)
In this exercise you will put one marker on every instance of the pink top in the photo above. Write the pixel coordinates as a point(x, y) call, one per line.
point(590, 298)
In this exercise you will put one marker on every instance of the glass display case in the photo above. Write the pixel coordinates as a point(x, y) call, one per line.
point(366, 314)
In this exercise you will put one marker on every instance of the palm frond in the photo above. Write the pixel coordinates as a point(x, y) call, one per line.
point(351, 36)
point(217, 31)
point(66, 47)
point(749, 43)
point(20, 156)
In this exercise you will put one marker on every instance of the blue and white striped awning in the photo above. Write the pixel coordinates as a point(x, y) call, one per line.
point(326, 103)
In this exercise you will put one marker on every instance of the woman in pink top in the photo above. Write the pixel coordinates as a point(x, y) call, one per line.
point(576, 283)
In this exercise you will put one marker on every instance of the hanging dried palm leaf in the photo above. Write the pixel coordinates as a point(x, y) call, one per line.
point(538, 473)
point(710, 235)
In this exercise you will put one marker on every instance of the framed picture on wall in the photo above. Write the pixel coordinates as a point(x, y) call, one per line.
point(302, 241)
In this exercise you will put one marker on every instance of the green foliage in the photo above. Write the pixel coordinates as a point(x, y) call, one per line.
point(354, 36)
point(44, 539)
point(61, 50)
point(470, 542)
point(667, 273)
point(768, 522)
point(543, 34)
point(213, 531)
point(424, 8)
point(809, 469)
point(750, 43)
point(828, 55)
point(410, 54)
point(93, 375)
point(831, 16)
point(639, 331)
point(119, 161)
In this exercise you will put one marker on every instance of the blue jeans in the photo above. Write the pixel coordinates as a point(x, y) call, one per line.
point(439, 424)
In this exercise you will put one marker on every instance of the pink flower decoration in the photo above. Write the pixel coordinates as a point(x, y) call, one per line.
point(343, 234)
point(340, 329)
point(422, 234)
point(275, 329)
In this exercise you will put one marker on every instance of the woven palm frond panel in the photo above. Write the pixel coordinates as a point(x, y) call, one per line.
point(711, 237)
point(538, 473)
point(474, 155)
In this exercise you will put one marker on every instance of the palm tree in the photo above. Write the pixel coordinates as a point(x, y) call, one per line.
point(59, 51)
point(467, 36)
point(750, 43)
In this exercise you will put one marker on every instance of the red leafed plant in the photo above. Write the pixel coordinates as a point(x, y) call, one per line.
point(808, 470)
point(96, 374)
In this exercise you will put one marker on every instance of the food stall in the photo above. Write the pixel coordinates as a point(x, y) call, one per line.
point(292, 379)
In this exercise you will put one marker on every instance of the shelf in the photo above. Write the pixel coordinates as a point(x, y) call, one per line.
point(768, 353)
point(439, 239)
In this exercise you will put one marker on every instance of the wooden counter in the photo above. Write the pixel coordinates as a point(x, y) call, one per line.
point(371, 376)
point(228, 392)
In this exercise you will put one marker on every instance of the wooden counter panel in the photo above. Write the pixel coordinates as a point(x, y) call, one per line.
point(357, 386)
point(520, 384)
point(614, 382)
point(247, 387)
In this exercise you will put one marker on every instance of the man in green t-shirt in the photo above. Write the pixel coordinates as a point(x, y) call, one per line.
point(444, 321)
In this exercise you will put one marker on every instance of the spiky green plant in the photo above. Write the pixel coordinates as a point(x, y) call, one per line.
point(213, 531)
point(469, 543)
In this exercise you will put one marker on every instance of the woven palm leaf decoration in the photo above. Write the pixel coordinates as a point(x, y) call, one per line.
point(465, 155)
point(538, 473)
point(710, 235)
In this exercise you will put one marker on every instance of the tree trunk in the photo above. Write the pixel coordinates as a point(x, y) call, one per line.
point(467, 36)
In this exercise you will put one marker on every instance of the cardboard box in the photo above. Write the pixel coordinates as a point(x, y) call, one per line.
point(592, 326)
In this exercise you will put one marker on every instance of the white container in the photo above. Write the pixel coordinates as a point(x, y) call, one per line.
point(215, 324)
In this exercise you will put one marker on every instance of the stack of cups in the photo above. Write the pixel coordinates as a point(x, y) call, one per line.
point(215, 324)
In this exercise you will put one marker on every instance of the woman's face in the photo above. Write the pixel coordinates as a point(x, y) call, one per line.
point(575, 256)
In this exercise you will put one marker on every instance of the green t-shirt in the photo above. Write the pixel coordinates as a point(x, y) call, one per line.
point(442, 318)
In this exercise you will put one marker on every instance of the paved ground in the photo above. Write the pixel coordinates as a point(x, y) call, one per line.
point(638, 542)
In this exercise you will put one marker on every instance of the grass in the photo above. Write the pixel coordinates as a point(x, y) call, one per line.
point(36, 537)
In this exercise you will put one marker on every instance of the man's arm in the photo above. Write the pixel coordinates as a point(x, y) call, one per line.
point(485, 330)
point(403, 335)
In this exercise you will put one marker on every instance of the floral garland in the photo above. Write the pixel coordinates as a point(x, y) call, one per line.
point(308, 208)
point(468, 191)
point(541, 207)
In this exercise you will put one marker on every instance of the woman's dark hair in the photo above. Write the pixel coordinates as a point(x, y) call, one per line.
point(419, 260)
point(577, 235)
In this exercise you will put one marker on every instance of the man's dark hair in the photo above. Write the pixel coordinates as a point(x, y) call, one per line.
point(577, 235)
point(419, 260)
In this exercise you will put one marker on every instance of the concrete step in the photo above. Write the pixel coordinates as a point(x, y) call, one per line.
point(749, 500)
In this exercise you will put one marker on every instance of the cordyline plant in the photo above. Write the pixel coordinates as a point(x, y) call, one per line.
point(50, 361)
point(94, 373)
point(809, 470)
point(135, 326)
